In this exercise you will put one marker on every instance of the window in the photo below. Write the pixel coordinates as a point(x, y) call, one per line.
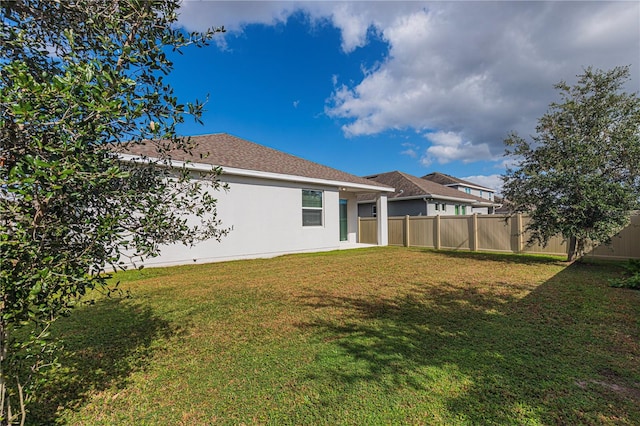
point(481, 193)
point(437, 206)
point(457, 210)
point(464, 210)
point(374, 210)
point(467, 190)
point(311, 207)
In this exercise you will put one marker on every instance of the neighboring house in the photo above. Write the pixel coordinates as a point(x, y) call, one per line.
point(276, 203)
point(414, 196)
point(504, 207)
point(462, 185)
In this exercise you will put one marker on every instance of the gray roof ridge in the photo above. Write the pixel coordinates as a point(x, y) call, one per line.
point(421, 186)
point(457, 181)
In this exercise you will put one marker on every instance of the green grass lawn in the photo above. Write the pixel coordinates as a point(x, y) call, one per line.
point(372, 336)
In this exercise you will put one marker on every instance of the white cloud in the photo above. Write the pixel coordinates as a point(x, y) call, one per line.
point(296, 103)
point(482, 69)
point(411, 150)
point(510, 162)
point(198, 15)
point(450, 146)
point(489, 181)
point(234, 15)
point(473, 70)
point(354, 27)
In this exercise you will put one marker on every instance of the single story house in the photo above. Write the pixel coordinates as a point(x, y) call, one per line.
point(414, 196)
point(462, 185)
point(276, 203)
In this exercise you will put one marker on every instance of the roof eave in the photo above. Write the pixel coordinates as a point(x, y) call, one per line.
point(262, 175)
point(474, 203)
point(481, 188)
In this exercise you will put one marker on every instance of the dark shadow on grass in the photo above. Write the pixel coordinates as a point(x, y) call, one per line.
point(524, 259)
point(104, 344)
point(552, 357)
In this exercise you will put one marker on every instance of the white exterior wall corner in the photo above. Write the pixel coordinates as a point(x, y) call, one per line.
point(352, 215)
point(382, 220)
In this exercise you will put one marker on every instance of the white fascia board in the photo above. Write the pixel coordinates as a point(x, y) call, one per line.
point(464, 185)
point(201, 167)
point(432, 197)
point(465, 200)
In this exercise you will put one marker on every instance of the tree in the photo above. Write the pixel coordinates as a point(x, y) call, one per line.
point(580, 178)
point(80, 81)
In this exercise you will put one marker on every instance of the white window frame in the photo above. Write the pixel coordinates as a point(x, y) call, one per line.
point(313, 208)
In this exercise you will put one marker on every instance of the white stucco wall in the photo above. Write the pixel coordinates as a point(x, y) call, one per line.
point(265, 217)
point(450, 208)
point(487, 195)
point(481, 210)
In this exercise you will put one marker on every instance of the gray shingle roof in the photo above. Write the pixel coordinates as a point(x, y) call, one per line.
point(444, 179)
point(222, 149)
point(407, 185)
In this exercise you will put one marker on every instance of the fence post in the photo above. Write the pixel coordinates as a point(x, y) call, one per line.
point(437, 233)
point(520, 233)
point(407, 242)
point(358, 235)
point(474, 244)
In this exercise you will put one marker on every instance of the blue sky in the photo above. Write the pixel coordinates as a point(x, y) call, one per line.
point(369, 87)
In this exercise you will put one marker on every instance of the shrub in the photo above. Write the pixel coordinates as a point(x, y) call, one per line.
point(631, 278)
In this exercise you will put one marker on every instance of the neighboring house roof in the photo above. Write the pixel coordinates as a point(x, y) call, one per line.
point(231, 153)
point(408, 186)
point(504, 205)
point(447, 180)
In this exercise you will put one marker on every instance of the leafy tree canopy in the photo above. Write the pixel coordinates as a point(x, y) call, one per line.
point(79, 81)
point(580, 175)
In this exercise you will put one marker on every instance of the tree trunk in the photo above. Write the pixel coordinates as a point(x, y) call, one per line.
point(7, 416)
point(5, 407)
point(572, 251)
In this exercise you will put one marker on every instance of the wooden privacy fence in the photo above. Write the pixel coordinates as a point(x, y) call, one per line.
point(489, 233)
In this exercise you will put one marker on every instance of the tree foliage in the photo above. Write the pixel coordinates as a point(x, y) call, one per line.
point(580, 175)
point(80, 81)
